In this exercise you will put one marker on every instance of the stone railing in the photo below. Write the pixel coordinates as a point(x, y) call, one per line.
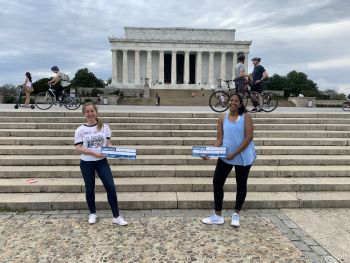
point(303, 101)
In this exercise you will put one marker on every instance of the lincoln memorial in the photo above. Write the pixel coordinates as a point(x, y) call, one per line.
point(174, 58)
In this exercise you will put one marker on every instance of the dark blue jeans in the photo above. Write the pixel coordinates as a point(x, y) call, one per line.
point(222, 170)
point(88, 170)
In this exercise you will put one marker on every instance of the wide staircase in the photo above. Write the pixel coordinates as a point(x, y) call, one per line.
point(303, 161)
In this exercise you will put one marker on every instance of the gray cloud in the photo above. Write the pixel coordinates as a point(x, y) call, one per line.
point(290, 35)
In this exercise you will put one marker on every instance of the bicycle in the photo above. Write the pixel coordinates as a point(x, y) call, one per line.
point(44, 100)
point(252, 100)
point(270, 101)
point(21, 98)
point(346, 105)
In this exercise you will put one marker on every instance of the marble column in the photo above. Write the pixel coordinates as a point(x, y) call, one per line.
point(161, 67)
point(187, 68)
point(114, 67)
point(246, 62)
point(223, 66)
point(173, 67)
point(149, 66)
point(199, 68)
point(125, 66)
point(137, 67)
point(211, 68)
point(234, 63)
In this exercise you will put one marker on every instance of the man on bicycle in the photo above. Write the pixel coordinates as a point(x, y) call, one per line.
point(258, 75)
point(56, 82)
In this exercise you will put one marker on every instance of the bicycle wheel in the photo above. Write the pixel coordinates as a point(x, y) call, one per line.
point(72, 103)
point(346, 106)
point(218, 101)
point(270, 102)
point(43, 100)
point(253, 101)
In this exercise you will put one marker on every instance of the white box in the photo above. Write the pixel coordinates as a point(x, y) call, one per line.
point(209, 151)
point(122, 153)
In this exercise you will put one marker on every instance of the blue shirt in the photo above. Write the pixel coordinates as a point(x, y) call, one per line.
point(233, 138)
point(258, 72)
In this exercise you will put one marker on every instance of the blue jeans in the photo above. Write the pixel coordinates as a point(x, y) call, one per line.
point(88, 169)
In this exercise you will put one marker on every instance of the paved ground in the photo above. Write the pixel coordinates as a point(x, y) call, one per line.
point(162, 236)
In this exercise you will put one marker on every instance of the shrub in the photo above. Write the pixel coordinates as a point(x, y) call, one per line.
point(9, 99)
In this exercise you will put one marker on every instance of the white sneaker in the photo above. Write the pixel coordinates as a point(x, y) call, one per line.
point(119, 221)
point(214, 219)
point(92, 218)
point(235, 220)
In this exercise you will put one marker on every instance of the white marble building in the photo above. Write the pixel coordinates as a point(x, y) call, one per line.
point(174, 58)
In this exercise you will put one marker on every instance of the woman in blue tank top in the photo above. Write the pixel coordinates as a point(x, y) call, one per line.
point(235, 132)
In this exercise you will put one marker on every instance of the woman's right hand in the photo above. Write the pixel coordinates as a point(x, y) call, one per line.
point(98, 155)
point(205, 158)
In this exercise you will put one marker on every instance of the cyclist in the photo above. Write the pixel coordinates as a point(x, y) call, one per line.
point(56, 83)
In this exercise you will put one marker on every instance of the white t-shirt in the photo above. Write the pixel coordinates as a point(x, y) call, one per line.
point(92, 139)
point(28, 84)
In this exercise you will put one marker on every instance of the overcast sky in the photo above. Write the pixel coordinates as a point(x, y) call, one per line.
point(304, 35)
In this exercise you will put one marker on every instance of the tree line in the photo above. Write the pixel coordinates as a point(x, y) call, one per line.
point(293, 84)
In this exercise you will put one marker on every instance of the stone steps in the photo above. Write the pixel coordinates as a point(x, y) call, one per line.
point(168, 126)
point(173, 150)
point(177, 184)
point(275, 160)
point(303, 161)
point(176, 141)
point(134, 171)
point(177, 133)
point(155, 120)
point(174, 200)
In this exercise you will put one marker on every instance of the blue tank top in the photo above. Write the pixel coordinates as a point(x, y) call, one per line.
point(233, 138)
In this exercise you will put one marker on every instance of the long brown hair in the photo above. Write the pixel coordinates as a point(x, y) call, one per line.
point(99, 122)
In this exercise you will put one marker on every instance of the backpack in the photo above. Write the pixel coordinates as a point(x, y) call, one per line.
point(65, 81)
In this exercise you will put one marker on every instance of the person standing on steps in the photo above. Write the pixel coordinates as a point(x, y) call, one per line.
point(235, 132)
point(89, 138)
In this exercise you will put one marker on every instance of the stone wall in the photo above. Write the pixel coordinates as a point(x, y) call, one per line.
point(303, 101)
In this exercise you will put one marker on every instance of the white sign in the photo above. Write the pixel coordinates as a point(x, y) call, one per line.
point(122, 153)
point(209, 151)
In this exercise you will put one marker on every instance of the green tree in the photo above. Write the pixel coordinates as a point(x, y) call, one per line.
point(293, 84)
point(40, 85)
point(84, 78)
point(9, 89)
point(299, 83)
point(96, 92)
point(277, 82)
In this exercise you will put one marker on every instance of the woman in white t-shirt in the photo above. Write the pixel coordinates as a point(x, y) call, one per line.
point(27, 88)
point(89, 138)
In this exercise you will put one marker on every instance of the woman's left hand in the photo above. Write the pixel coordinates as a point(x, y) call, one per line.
point(230, 156)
